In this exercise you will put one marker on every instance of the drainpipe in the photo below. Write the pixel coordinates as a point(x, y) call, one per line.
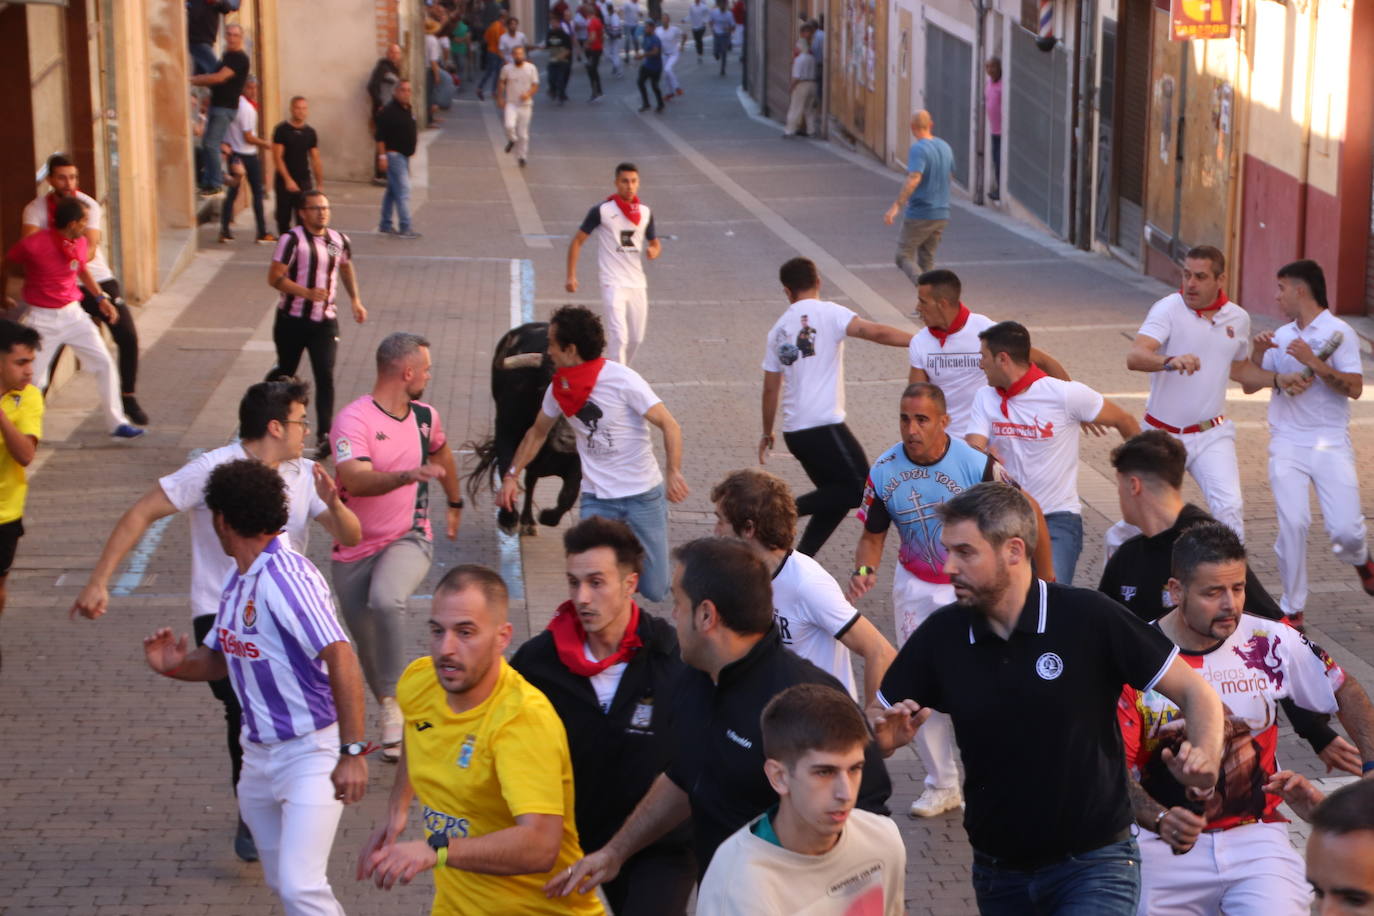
point(1305, 166)
point(1083, 134)
point(114, 235)
point(980, 118)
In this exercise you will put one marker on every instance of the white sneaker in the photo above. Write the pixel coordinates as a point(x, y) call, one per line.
point(393, 725)
point(935, 801)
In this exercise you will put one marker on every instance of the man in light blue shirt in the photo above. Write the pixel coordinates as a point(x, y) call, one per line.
point(925, 195)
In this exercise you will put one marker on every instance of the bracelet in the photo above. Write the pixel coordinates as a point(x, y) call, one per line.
point(456, 505)
point(441, 857)
point(865, 571)
point(513, 473)
point(1159, 820)
point(1368, 766)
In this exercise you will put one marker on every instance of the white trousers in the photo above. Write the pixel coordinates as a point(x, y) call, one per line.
point(913, 600)
point(71, 326)
point(614, 48)
point(517, 121)
point(1246, 871)
point(1293, 470)
point(625, 313)
point(1212, 462)
point(670, 83)
point(802, 107)
point(287, 800)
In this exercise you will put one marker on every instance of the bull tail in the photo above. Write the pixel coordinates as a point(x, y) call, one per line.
point(484, 470)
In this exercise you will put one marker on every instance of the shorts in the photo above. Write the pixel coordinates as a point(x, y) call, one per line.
point(10, 533)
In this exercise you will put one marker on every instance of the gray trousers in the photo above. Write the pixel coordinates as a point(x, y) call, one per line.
point(372, 594)
point(916, 245)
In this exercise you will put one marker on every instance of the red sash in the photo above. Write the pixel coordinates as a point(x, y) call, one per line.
point(955, 326)
point(1033, 375)
point(572, 385)
point(630, 208)
point(1220, 301)
point(569, 637)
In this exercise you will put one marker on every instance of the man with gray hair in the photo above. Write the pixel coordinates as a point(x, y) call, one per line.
point(388, 446)
point(1008, 651)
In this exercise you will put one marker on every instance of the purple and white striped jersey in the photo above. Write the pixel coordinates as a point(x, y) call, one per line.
point(313, 261)
point(273, 621)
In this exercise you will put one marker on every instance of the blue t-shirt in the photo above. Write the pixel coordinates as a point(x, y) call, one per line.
point(655, 63)
point(933, 158)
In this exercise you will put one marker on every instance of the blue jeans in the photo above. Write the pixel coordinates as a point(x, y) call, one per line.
point(1066, 543)
point(397, 192)
point(252, 173)
point(647, 516)
point(215, 129)
point(1102, 882)
point(203, 59)
point(491, 69)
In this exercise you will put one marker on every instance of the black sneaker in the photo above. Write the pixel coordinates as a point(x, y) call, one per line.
point(135, 413)
point(510, 145)
point(225, 236)
point(244, 847)
point(522, 163)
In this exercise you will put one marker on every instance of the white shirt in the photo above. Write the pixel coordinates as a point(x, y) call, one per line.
point(607, 682)
point(954, 367)
point(1038, 440)
point(863, 873)
point(722, 21)
point(612, 434)
point(434, 52)
point(36, 214)
point(244, 123)
point(812, 614)
point(672, 42)
point(210, 566)
point(271, 626)
point(806, 345)
point(509, 41)
point(619, 243)
point(1318, 416)
point(630, 13)
point(804, 66)
point(697, 15)
point(519, 80)
point(1217, 341)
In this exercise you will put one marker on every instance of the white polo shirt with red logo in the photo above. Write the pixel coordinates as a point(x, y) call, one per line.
point(1037, 439)
point(1217, 339)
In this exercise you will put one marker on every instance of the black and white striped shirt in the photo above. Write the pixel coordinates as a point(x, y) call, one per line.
point(312, 261)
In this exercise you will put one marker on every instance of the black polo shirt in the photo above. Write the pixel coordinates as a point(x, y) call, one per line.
point(1035, 715)
point(719, 758)
point(1137, 574)
point(396, 129)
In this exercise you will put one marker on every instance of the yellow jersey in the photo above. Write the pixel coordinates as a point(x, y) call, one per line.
point(25, 410)
point(476, 772)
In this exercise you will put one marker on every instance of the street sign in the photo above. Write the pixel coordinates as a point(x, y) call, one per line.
point(1202, 18)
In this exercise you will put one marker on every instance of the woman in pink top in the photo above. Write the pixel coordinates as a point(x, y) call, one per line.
point(992, 101)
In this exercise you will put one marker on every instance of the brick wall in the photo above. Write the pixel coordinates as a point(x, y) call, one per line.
point(388, 25)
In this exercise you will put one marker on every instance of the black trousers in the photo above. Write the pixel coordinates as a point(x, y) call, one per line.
point(836, 464)
point(653, 883)
point(295, 336)
point(124, 332)
point(558, 80)
point(651, 77)
point(697, 36)
point(288, 202)
point(594, 71)
point(224, 692)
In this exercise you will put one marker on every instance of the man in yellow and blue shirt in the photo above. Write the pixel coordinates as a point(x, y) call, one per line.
point(21, 426)
point(488, 757)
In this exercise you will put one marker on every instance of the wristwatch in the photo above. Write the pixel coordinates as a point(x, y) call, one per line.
point(356, 749)
point(439, 843)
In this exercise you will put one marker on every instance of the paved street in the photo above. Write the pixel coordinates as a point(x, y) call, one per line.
point(115, 797)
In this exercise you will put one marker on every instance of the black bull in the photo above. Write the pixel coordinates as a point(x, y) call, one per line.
point(520, 372)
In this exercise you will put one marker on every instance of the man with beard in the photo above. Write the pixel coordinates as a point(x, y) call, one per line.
point(1243, 863)
point(1047, 810)
point(488, 757)
point(610, 669)
point(388, 446)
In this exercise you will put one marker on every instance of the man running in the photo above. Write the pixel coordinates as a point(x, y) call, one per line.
point(296, 677)
point(907, 485)
point(55, 271)
point(306, 268)
point(21, 426)
point(610, 408)
point(245, 147)
point(388, 445)
point(673, 39)
point(1309, 431)
point(488, 757)
point(805, 349)
point(722, 27)
point(923, 200)
point(63, 182)
point(698, 16)
point(624, 228)
point(651, 67)
point(515, 93)
point(273, 426)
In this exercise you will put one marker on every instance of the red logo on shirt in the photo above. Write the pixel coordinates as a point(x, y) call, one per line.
point(1034, 430)
point(230, 644)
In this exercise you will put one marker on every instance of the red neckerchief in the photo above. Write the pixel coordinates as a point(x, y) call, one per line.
point(1033, 375)
point(630, 208)
point(569, 638)
point(955, 326)
point(1218, 303)
point(572, 385)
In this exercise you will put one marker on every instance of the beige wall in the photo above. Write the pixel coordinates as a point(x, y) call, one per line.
point(137, 154)
point(47, 67)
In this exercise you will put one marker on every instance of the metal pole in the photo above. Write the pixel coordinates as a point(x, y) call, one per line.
point(109, 98)
point(980, 12)
point(1085, 140)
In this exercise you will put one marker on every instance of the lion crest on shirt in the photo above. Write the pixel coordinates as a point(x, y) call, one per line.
point(1260, 653)
point(250, 615)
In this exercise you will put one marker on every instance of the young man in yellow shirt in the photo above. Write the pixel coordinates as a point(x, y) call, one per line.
point(487, 755)
point(21, 426)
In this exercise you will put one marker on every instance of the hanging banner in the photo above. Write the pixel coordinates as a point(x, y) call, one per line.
point(1202, 18)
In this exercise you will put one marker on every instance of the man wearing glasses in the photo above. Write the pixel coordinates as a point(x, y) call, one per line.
point(306, 268)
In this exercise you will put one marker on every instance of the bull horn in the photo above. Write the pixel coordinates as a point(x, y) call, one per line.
point(523, 361)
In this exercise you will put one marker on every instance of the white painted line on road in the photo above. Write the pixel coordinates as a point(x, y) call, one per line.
point(526, 214)
point(860, 292)
point(521, 292)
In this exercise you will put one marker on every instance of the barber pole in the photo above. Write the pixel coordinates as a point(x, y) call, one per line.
point(1045, 32)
